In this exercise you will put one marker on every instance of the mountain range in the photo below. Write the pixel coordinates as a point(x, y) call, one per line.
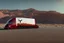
point(44, 17)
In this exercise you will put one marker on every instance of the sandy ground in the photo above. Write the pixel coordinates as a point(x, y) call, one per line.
point(45, 34)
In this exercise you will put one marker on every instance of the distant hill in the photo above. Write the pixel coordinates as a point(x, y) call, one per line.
point(45, 17)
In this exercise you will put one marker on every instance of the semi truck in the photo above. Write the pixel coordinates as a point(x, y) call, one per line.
point(21, 23)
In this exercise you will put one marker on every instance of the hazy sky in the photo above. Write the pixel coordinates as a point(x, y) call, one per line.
point(57, 5)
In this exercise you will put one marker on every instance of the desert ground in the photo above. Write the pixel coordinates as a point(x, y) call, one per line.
point(46, 33)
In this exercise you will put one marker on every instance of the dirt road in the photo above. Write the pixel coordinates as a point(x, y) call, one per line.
point(40, 35)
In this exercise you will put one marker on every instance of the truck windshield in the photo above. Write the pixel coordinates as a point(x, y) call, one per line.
point(9, 21)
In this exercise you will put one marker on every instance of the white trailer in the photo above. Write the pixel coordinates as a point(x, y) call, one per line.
point(25, 21)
